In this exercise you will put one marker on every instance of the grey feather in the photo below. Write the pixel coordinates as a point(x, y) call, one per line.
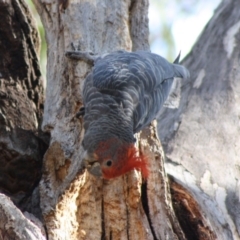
point(124, 93)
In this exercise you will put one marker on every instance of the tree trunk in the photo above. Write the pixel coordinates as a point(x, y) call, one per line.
point(76, 205)
point(201, 138)
point(21, 108)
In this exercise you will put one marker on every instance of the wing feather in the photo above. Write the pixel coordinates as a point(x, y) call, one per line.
point(137, 83)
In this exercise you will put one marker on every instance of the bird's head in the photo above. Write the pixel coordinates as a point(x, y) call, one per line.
point(113, 158)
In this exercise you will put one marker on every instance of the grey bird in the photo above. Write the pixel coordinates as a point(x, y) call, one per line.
point(122, 94)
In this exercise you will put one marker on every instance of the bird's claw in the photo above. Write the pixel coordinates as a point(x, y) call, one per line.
point(80, 113)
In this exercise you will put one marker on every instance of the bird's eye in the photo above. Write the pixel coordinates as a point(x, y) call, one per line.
point(109, 163)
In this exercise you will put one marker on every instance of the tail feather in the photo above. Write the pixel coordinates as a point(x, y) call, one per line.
point(176, 61)
point(181, 71)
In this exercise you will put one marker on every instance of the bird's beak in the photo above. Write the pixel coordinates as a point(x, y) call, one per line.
point(92, 165)
point(95, 169)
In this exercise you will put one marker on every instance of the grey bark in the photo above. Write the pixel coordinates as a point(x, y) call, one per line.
point(14, 225)
point(201, 138)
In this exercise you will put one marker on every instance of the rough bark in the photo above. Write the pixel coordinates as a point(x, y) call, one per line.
point(201, 138)
point(21, 106)
point(75, 204)
point(14, 225)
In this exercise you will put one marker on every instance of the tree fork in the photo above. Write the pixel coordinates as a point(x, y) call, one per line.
point(76, 205)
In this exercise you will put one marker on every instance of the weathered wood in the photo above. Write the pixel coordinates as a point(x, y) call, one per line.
point(201, 138)
point(14, 225)
point(158, 208)
point(190, 215)
point(21, 105)
point(75, 204)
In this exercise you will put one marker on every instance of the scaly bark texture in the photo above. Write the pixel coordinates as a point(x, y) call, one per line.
point(75, 204)
point(21, 106)
point(201, 138)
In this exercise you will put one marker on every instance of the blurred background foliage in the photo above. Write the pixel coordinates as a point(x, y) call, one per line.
point(174, 26)
point(43, 50)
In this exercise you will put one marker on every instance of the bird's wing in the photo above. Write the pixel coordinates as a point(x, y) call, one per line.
point(138, 82)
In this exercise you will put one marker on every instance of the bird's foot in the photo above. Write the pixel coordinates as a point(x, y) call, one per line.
point(76, 54)
point(80, 113)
